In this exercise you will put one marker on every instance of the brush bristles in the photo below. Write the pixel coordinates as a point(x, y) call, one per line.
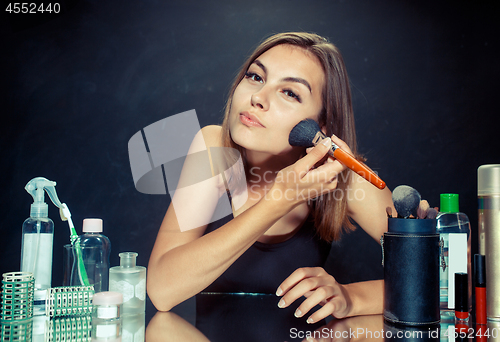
point(303, 133)
point(406, 200)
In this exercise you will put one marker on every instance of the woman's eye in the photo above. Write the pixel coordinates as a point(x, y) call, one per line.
point(254, 77)
point(291, 94)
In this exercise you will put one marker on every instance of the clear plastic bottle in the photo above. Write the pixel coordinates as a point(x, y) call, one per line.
point(455, 257)
point(37, 242)
point(36, 255)
point(96, 249)
point(130, 280)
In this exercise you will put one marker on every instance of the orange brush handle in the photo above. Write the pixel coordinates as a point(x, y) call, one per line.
point(358, 167)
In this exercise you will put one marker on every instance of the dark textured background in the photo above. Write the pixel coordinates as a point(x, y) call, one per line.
point(75, 87)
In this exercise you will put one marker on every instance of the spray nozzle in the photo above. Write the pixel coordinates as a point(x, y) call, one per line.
point(39, 208)
point(36, 188)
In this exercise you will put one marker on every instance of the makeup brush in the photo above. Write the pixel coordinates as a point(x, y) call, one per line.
point(406, 201)
point(307, 134)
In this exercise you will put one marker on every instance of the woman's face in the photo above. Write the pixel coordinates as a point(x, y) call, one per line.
point(281, 87)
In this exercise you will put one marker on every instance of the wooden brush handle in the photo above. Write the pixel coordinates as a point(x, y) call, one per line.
point(358, 167)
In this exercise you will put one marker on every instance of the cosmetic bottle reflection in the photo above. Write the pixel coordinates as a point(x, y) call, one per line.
point(399, 333)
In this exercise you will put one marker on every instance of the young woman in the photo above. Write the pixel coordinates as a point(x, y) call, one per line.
point(298, 201)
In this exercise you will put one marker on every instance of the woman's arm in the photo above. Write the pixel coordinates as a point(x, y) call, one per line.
point(169, 327)
point(367, 206)
point(184, 263)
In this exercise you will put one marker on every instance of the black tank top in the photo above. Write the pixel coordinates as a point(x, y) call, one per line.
point(263, 267)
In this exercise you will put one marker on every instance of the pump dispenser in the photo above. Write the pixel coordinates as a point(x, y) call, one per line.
point(37, 239)
point(130, 280)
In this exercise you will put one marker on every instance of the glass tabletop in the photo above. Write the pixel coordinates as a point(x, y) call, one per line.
point(224, 317)
point(256, 317)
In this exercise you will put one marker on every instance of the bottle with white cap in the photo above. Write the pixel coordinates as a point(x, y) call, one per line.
point(95, 249)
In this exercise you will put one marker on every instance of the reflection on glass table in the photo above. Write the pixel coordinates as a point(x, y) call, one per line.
point(236, 317)
point(75, 328)
point(246, 317)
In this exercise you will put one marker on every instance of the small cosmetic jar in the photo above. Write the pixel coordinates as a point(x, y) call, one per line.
point(107, 305)
point(106, 322)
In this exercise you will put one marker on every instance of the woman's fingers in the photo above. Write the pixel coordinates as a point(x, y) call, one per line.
point(319, 296)
point(309, 177)
point(313, 283)
point(304, 174)
point(294, 278)
point(340, 143)
point(423, 207)
point(327, 310)
point(315, 155)
point(319, 288)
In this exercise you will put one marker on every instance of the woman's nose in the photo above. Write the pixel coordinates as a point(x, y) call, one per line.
point(260, 99)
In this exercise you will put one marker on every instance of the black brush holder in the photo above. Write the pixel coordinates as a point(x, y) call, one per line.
point(411, 272)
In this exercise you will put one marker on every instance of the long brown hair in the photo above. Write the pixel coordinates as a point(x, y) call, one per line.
point(330, 210)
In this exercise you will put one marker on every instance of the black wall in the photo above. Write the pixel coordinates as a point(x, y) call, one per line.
point(75, 87)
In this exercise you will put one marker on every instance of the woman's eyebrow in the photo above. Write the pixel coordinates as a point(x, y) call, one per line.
point(297, 80)
point(286, 79)
point(260, 65)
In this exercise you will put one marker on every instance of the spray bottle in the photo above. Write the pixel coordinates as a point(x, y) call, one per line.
point(37, 239)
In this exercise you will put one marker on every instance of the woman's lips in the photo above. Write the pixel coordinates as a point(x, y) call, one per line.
point(250, 120)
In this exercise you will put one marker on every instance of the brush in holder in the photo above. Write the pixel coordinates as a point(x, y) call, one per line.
point(411, 272)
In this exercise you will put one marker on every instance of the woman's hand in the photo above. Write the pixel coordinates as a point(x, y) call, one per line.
point(308, 178)
point(340, 143)
point(318, 287)
point(425, 211)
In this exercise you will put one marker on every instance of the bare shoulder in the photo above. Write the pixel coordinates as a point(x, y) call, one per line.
point(208, 136)
point(212, 135)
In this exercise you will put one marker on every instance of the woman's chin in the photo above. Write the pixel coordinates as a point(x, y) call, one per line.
point(242, 136)
point(245, 143)
point(251, 141)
